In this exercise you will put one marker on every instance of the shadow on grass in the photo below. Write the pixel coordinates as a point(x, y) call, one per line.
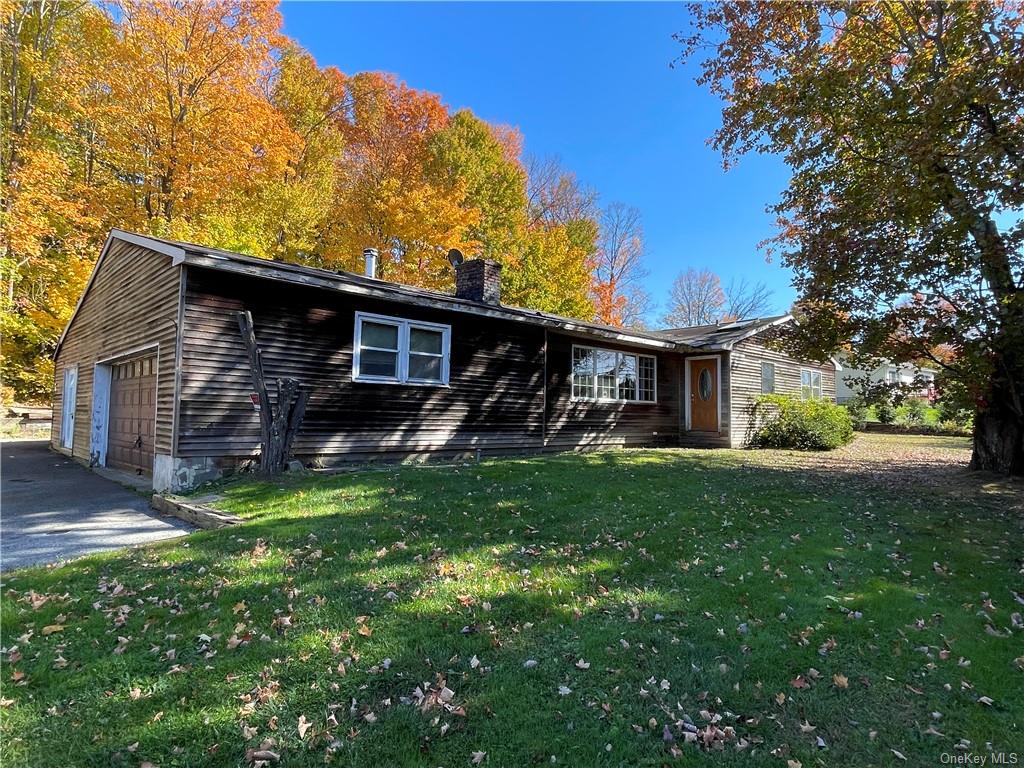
point(645, 564)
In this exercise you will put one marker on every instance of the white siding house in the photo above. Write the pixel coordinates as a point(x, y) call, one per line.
point(892, 373)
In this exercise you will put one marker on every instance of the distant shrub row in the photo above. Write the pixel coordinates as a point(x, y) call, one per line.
point(781, 421)
point(914, 414)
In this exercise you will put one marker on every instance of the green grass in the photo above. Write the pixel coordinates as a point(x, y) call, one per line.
point(722, 573)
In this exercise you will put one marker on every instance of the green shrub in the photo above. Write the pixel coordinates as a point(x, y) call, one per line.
point(950, 410)
point(858, 411)
point(885, 412)
point(957, 427)
point(914, 411)
point(785, 422)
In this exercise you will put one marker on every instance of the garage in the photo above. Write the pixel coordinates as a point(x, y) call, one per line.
point(132, 414)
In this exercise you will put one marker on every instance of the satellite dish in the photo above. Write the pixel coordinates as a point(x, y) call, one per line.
point(455, 257)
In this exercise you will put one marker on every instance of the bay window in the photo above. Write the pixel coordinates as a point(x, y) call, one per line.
point(609, 375)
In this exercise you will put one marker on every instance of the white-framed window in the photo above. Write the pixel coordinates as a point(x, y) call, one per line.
point(611, 375)
point(767, 378)
point(892, 375)
point(393, 350)
point(810, 383)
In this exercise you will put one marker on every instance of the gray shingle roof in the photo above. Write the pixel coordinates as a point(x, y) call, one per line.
point(722, 335)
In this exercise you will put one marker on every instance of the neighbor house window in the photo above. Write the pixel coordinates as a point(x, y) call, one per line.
point(810, 383)
point(767, 378)
point(396, 351)
point(605, 374)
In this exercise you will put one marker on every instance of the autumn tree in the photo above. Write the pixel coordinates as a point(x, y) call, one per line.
point(482, 163)
point(555, 197)
point(619, 297)
point(391, 199)
point(45, 224)
point(901, 123)
point(557, 275)
point(183, 111)
point(201, 121)
point(695, 298)
point(287, 215)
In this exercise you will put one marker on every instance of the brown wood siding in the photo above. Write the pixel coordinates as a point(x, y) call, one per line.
point(705, 439)
point(494, 401)
point(132, 303)
point(582, 424)
point(745, 367)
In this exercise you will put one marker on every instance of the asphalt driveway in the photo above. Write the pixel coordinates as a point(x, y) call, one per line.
point(52, 508)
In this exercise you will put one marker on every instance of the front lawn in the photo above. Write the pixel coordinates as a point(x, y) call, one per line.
point(623, 608)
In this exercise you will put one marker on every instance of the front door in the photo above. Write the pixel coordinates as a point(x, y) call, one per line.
point(132, 414)
point(704, 395)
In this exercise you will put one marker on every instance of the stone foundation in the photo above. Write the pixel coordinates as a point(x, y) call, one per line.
point(184, 474)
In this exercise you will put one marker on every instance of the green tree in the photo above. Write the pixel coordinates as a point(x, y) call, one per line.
point(467, 154)
point(903, 127)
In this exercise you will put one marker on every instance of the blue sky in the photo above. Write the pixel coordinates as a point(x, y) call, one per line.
point(590, 83)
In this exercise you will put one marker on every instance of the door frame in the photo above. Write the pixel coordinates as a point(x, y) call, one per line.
point(686, 389)
point(99, 433)
point(67, 436)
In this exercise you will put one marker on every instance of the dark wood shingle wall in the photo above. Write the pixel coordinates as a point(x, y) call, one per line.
point(582, 424)
point(494, 402)
point(132, 303)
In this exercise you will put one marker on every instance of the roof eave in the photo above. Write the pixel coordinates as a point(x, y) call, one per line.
point(391, 292)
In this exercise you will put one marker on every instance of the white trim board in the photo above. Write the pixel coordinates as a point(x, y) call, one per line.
point(176, 253)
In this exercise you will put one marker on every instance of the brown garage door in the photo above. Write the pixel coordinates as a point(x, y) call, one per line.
point(132, 414)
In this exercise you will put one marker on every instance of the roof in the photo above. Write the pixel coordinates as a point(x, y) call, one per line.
point(702, 337)
point(723, 335)
point(193, 254)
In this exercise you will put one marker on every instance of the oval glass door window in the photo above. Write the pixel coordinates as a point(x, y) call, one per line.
point(704, 384)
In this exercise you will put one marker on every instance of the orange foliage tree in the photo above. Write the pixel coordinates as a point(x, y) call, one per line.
point(202, 121)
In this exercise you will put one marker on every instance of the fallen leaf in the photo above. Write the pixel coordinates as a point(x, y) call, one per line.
point(304, 725)
point(49, 629)
point(478, 757)
point(840, 680)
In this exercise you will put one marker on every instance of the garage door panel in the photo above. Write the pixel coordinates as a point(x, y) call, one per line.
point(132, 414)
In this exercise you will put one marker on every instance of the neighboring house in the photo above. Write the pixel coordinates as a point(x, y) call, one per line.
point(850, 382)
point(151, 374)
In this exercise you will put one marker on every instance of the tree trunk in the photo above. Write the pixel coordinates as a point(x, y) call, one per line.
point(999, 416)
point(998, 444)
point(280, 421)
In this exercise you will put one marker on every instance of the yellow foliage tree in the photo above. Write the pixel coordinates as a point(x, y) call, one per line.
point(389, 199)
point(183, 112)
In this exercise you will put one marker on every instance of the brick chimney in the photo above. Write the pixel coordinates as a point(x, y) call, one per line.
point(479, 280)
